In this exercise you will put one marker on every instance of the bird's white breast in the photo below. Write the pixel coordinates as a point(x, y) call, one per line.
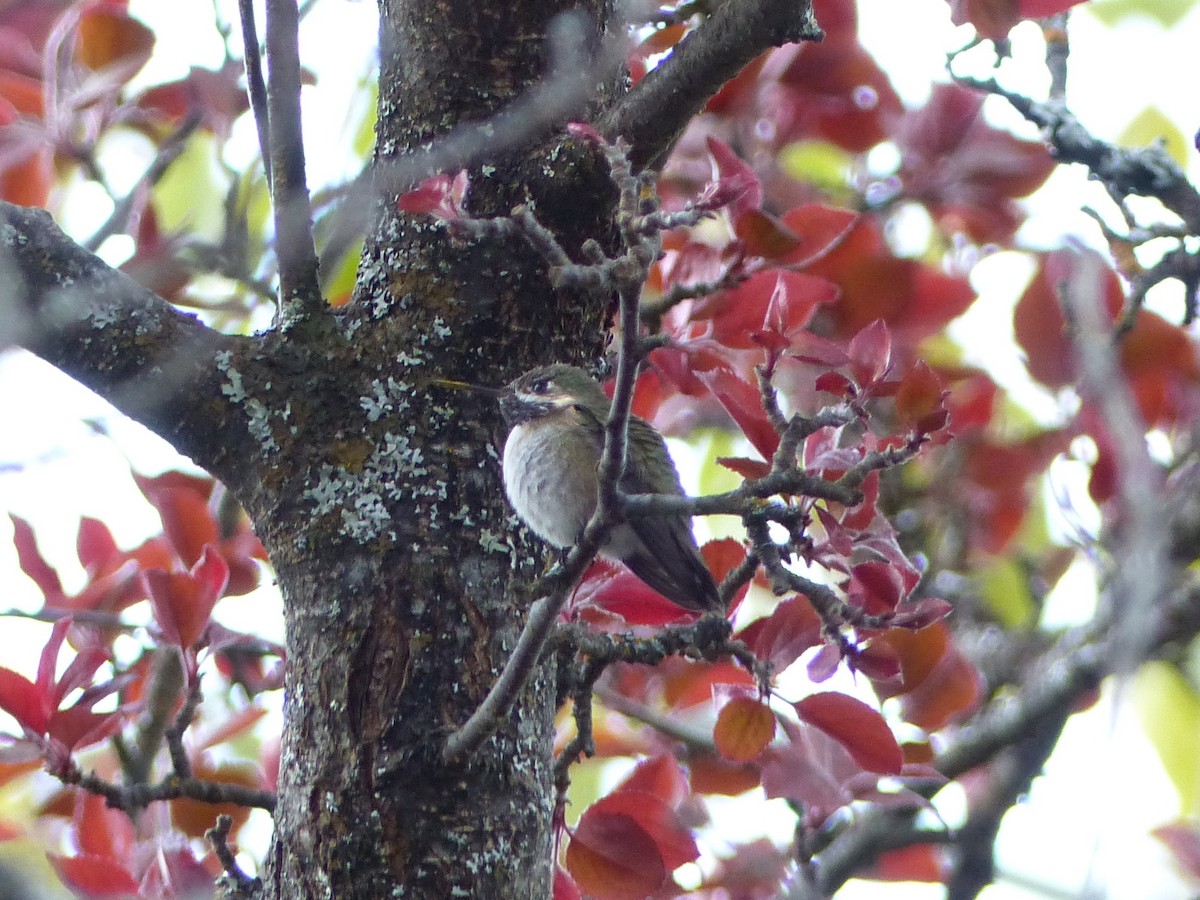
point(550, 479)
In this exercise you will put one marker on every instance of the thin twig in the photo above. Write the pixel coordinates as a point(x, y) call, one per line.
point(133, 797)
point(299, 289)
point(97, 617)
point(1141, 565)
point(218, 838)
point(691, 737)
point(170, 149)
point(255, 85)
point(544, 613)
point(180, 763)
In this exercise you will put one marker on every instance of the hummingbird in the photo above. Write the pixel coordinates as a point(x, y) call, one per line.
point(556, 417)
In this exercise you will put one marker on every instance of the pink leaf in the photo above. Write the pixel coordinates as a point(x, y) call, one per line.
point(870, 353)
point(734, 183)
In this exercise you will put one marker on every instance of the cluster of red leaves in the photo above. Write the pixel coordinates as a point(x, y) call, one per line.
point(205, 552)
point(814, 297)
point(65, 69)
point(183, 573)
point(113, 859)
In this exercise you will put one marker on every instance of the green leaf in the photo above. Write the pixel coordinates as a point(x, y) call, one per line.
point(339, 284)
point(1005, 588)
point(191, 195)
point(1170, 711)
point(364, 134)
point(710, 444)
point(1151, 126)
point(817, 162)
point(1167, 13)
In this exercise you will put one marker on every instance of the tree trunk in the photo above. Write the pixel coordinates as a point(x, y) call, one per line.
point(403, 589)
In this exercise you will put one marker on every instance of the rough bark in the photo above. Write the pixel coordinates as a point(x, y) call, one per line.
point(395, 639)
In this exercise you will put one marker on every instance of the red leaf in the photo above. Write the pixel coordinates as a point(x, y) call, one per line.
point(1038, 319)
point(835, 383)
point(78, 727)
point(94, 544)
point(820, 228)
point(922, 613)
point(660, 776)
point(439, 196)
point(1040, 9)
point(614, 589)
point(914, 299)
point(564, 886)
point(108, 37)
point(857, 727)
point(22, 700)
point(965, 171)
point(673, 839)
point(32, 562)
point(213, 95)
point(748, 468)
point(182, 502)
point(764, 235)
point(625, 846)
point(743, 403)
point(183, 601)
point(781, 637)
point(921, 399)
point(951, 691)
point(919, 652)
point(870, 353)
point(99, 830)
point(876, 586)
point(922, 862)
point(710, 774)
point(877, 661)
point(90, 875)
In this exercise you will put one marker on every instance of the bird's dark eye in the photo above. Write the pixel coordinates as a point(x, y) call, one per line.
point(541, 385)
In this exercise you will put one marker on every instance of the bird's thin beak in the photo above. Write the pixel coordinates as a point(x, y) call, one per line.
point(467, 386)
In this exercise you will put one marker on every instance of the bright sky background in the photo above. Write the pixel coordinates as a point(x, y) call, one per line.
point(1086, 820)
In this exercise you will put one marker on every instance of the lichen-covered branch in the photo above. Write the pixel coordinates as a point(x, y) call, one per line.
point(105, 330)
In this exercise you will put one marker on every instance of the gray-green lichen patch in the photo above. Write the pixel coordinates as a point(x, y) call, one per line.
point(258, 414)
point(386, 398)
point(395, 471)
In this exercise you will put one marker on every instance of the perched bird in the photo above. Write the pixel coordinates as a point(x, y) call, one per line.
point(556, 417)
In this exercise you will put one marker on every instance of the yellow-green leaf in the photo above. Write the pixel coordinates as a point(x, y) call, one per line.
point(816, 162)
point(191, 195)
point(1170, 711)
point(1006, 590)
point(1151, 126)
point(1167, 13)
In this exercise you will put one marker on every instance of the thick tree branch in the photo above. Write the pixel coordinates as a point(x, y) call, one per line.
point(108, 332)
point(653, 115)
